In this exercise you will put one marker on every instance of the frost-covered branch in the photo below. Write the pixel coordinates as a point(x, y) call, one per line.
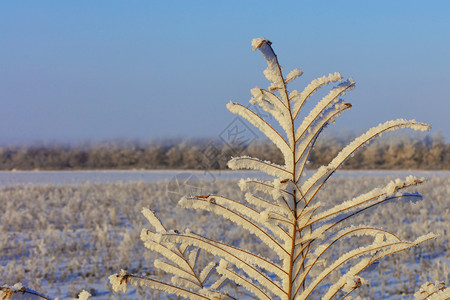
point(433, 291)
point(365, 200)
point(306, 143)
point(282, 213)
point(7, 292)
point(119, 284)
point(387, 249)
point(250, 163)
point(316, 181)
point(262, 125)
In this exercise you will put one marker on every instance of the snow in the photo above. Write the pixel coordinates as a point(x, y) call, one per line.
point(58, 178)
point(69, 231)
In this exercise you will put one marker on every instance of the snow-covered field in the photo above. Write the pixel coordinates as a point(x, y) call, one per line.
point(61, 232)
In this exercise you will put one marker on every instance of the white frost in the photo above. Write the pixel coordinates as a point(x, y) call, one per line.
point(256, 43)
point(84, 295)
point(118, 281)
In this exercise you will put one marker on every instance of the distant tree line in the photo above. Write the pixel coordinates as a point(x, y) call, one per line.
point(401, 152)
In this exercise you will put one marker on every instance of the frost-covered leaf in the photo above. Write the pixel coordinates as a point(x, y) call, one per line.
point(299, 98)
point(261, 124)
point(250, 163)
point(432, 291)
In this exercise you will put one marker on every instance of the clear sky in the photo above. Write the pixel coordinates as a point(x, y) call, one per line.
point(91, 70)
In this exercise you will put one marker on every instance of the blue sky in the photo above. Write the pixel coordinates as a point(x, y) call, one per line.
point(94, 70)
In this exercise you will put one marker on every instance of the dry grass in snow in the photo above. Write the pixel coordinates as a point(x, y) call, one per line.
point(62, 239)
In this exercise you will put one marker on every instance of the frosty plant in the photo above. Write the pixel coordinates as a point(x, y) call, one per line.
point(284, 213)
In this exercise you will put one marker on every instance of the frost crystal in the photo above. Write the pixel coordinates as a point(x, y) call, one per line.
point(119, 281)
point(256, 43)
point(84, 295)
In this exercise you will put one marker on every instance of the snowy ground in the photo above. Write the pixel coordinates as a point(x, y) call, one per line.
point(61, 232)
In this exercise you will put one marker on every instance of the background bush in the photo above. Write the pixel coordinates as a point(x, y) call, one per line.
point(395, 152)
